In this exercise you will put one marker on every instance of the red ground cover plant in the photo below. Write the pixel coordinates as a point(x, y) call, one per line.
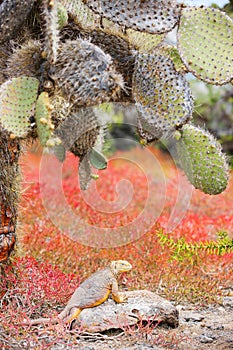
point(48, 265)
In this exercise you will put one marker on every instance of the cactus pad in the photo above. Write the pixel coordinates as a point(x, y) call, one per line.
point(12, 15)
point(205, 44)
point(17, 102)
point(43, 119)
point(4, 54)
point(150, 16)
point(86, 74)
point(60, 152)
point(144, 131)
point(62, 16)
point(120, 52)
point(162, 95)
point(98, 160)
point(79, 131)
point(143, 42)
point(51, 17)
point(84, 172)
point(82, 15)
point(25, 60)
point(202, 160)
point(173, 53)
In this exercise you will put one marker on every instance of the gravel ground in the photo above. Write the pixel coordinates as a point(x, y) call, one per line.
point(200, 328)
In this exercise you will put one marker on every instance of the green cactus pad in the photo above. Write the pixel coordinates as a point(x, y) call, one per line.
point(84, 172)
point(17, 102)
point(98, 160)
point(162, 95)
point(112, 28)
point(43, 119)
point(62, 16)
point(205, 44)
point(81, 14)
point(85, 73)
point(173, 53)
point(202, 160)
point(143, 42)
point(147, 16)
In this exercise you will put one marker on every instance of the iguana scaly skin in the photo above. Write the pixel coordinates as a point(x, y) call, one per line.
point(92, 292)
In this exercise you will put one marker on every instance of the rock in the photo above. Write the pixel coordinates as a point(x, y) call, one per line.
point(215, 326)
point(141, 347)
point(180, 307)
point(193, 316)
point(204, 339)
point(227, 301)
point(142, 305)
point(221, 309)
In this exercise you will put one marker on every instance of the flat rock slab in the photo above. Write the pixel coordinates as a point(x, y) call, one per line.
point(142, 305)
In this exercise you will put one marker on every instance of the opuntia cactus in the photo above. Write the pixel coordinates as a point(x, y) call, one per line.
point(204, 38)
point(143, 42)
point(50, 11)
point(98, 160)
point(202, 160)
point(84, 172)
point(148, 16)
point(162, 94)
point(81, 14)
point(43, 118)
point(62, 16)
point(25, 60)
point(85, 73)
point(12, 15)
point(109, 51)
point(17, 104)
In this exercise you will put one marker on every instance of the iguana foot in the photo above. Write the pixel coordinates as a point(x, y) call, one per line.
point(123, 298)
point(74, 316)
point(120, 298)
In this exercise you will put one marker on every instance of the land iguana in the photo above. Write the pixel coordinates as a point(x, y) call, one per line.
point(92, 292)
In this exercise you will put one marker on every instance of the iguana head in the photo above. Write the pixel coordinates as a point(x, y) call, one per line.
point(120, 266)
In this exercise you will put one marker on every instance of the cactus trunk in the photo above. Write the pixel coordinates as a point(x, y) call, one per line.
point(9, 176)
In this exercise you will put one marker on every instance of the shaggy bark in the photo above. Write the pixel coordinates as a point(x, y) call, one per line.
point(9, 174)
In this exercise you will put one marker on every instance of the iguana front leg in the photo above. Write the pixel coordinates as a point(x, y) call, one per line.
point(74, 315)
point(116, 295)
